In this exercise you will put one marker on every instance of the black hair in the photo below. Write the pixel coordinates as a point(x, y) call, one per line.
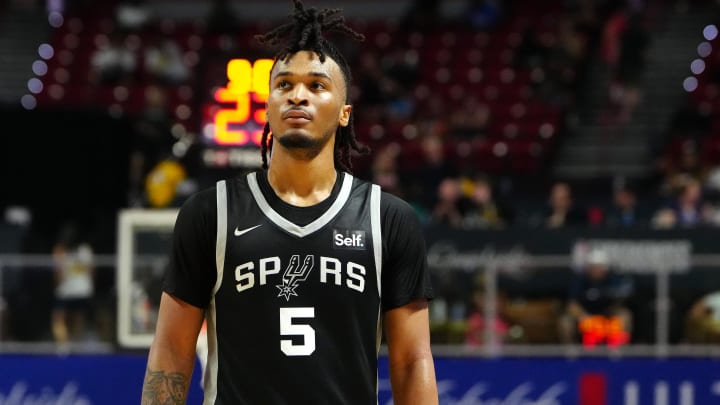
point(305, 33)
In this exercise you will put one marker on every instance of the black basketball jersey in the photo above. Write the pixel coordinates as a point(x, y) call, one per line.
point(294, 311)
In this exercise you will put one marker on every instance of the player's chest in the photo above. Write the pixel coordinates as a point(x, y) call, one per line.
point(267, 261)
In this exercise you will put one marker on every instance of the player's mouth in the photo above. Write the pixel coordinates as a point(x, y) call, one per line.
point(297, 116)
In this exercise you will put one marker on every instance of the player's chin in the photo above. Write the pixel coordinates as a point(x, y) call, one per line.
point(297, 139)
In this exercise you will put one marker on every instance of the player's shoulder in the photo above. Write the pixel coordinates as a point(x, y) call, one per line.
point(392, 204)
point(202, 197)
point(202, 202)
point(389, 203)
point(394, 210)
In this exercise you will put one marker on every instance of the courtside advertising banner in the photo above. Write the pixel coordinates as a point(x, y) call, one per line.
point(475, 381)
point(117, 380)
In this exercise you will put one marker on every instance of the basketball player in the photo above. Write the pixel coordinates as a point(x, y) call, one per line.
point(300, 267)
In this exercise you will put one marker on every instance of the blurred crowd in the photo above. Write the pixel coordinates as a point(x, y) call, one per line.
point(414, 163)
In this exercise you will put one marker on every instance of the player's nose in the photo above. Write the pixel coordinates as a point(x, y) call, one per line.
point(298, 95)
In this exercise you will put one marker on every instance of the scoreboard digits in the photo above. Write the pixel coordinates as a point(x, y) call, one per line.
point(240, 122)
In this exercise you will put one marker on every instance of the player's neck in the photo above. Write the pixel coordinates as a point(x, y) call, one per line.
point(302, 182)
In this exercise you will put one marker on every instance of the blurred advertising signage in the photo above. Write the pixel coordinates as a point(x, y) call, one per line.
point(86, 379)
point(597, 329)
point(596, 381)
point(639, 250)
point(238, 113)
point(75, 380)
point(641, 255)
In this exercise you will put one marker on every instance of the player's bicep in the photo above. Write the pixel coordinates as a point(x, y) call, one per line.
point(191, 272)
point(172, 354)
point(407, 332)
point(406, 275)
point(178, 325)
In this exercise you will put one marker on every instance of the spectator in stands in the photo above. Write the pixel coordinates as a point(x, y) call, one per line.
point(676, 165)
point(163, 61)
point(476, 325)
point(689, 207)
point(152, 139)
point(596, 290)
point(624, 211)
point(625, 90)
point(610, 43)
point(371, 81)
point(485, 209)
point(74, 287)
point(385, 168)
point(113, 62)
point(470, 120)
point(562, 210)
point(435, 166)
point(163, 185)
point(449, 207)
point(634, 43)
point(703, 320)
point(132, 15)
point(532, 52)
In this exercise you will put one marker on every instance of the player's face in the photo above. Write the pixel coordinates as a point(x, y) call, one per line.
point(306, 101)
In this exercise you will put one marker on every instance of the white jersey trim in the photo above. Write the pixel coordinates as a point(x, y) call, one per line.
point(376, 229)
point(375, 226)
point(290, 227)
point(210, 378)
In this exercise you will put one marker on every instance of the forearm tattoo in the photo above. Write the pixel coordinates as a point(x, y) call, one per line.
point(161, 388)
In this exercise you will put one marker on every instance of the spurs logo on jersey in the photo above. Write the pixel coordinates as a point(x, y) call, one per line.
point(332, 271)
point(294, 274)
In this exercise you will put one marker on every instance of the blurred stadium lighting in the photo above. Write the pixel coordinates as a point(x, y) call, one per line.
point(40, 68)
point(710, 32)
point(28, 102)
point(697, 66)
point(704, 49)
point(35, 85)
point(55, 19)
point(46, 51)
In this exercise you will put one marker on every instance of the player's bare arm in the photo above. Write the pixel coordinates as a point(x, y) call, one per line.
point(164, 388)
point(412, 369)
point(172, 354)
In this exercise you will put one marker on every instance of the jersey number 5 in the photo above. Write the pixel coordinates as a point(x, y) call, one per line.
point(288, 327)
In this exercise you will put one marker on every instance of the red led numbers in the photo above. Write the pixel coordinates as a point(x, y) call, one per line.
point(247, 89)
point(599, 329)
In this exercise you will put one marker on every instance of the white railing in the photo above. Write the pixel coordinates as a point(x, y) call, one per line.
point(491, 346)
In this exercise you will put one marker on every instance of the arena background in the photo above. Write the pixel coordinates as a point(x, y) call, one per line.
point(521, 131)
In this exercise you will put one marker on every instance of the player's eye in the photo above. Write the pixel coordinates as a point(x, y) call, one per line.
point(317, 86)
point(283, 84)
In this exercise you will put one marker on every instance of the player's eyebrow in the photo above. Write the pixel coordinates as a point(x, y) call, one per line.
point(314, 74)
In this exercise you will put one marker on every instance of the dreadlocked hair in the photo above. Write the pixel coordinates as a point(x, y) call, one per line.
point(305, 33)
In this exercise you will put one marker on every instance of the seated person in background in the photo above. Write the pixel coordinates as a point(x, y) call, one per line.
point(624, 209)
point(477, 327)
point(113, 62)
point(449, 207)
point(689, 206)
point(597, 291)
point(703, 321)
point(74, 287)
point(485, 210)
point(562, 210)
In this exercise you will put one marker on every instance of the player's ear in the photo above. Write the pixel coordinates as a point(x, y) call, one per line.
point(344, 118)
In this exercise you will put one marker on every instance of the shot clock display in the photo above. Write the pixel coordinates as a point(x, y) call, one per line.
point(235, 117)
